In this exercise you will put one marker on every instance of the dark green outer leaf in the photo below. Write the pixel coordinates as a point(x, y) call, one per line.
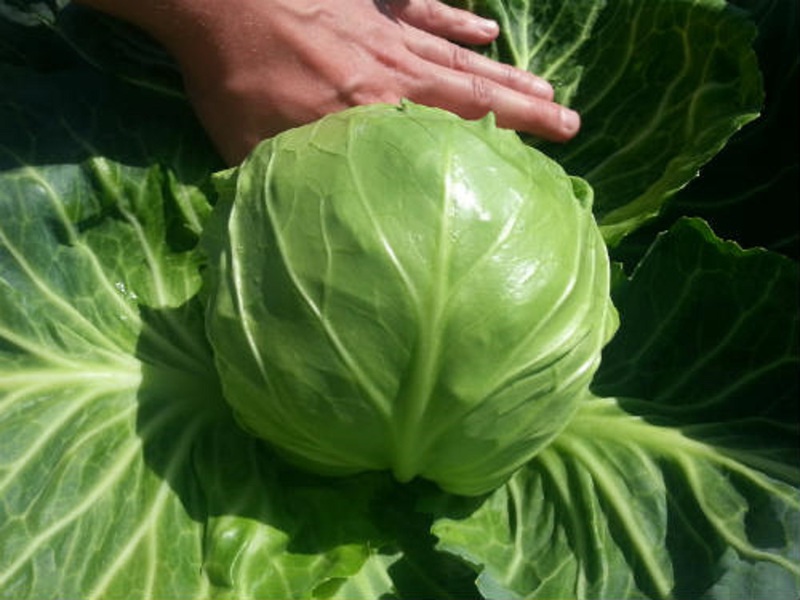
point(726, 346)
point(750, 191)
point(545, 38)
point(660, 85)
point(48, 34)
point(119, 49)
point(31, 13)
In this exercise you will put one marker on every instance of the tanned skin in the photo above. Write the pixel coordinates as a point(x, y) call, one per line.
point(253, 68)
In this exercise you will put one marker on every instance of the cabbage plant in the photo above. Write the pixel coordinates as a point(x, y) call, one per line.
point(397, 288)
point(126, 473)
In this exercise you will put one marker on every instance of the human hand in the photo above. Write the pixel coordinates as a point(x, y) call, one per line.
point(253, 68)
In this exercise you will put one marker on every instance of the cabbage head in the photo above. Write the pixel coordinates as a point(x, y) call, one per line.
point(394, 287)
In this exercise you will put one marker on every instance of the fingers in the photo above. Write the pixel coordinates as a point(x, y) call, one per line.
point(439, 51)
point(472, 96)
point(469, 84)
point(444, 21)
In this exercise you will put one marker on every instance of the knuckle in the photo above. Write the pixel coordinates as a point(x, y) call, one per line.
point(482, 93)
point(435, 12)
point(511, 77)
point(461, 59)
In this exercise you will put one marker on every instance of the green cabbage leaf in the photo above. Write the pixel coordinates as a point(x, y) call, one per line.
point(124, 473)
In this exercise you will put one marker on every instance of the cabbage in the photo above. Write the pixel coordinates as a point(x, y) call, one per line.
point(123, 473)
point(394, 287)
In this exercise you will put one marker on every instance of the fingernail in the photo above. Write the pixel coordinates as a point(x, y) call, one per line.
point(542, 88)
point(570, 121)
point(488, 26)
